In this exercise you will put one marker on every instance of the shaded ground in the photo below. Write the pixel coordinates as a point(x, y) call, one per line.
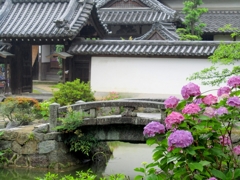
point(44, 88)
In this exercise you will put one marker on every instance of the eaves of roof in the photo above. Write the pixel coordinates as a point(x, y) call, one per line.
point(166, 30)
point(43, 18)
point(120, 15)
point(143, 48)
point(133, 16)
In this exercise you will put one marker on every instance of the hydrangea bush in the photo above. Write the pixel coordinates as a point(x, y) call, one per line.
point(195, 140)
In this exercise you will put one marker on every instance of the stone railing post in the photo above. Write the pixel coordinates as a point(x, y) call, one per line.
point(53, 108)
point(163, 115)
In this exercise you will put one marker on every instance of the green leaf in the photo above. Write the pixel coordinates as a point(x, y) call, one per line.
point(217, 151)
point(218, 174)
point(194, 166)
point(138, 177)
point(157, 155)
point(172, 159)
point(229, 174)
point(140, 169)
point(150, 141)
point(204, 163)
point(152, 177)
point(236, 173)
point(204, 118)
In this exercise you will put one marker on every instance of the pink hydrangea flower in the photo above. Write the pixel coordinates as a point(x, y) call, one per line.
point(197, 101)
point(212, 178)
point(189, 90)
point(153, 128)
point(191, 109)
point(223, 91)
point(234, 101)
point(209, 111)
point(180, 139)
point(171, 102)
point(220, 111)
point(234, 81)
point(236, 150)
point(173, 118)
point(210, 99)
point(225, 140)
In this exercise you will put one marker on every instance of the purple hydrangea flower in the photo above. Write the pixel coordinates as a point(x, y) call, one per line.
point(171, 102)
point(209, 111)
point(236, 150)
point(173, 118)
point(234, 101)
point(223, 91)
point(197, 101)
point(212, 178)
point(209, 100)
point(180, 139)
point(225, 140)
point(191, 109)
point(153, 128)
point(189, 90)
point(220, 111)
point(234, 81)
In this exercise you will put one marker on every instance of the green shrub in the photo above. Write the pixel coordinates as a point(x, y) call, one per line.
point(44, 109)
point(71, 92)
point(81, 175)
point(71, 121)
point(19, 109)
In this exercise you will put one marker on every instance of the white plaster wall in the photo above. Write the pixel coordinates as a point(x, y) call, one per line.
point(45, 52)
point(144, 77)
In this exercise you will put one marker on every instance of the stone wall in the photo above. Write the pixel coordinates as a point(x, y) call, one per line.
point(37, 148)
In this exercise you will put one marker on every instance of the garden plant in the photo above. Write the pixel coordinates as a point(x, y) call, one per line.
point(195, 141)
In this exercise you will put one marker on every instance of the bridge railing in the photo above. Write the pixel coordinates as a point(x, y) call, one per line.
point(128, 105)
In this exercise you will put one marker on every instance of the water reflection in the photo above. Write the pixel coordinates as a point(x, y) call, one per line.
point(125, 158)
point(128, 156)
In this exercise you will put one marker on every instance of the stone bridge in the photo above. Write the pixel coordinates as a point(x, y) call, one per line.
point(126, 125)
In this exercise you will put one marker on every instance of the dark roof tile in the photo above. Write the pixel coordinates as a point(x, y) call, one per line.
point(51, 19)
point(143, 48)
point(215, 19)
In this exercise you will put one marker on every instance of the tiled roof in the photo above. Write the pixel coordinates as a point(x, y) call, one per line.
point(155, 12)
point(166, 30)
point(216, 19)
point(43, 18)
point(143, 48)
point(153, 4)
point(133, 16)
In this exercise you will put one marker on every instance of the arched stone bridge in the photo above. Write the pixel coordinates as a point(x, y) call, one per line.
point(125, 126)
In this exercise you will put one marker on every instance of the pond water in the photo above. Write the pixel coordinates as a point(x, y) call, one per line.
point(125, 158)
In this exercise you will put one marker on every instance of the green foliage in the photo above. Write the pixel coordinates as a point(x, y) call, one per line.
point(207, 156)
point(82, 142)
point(71, 121)
point(225, 54)
point(71, 92)
point(19, 109)
point(44, 109)
point(81, 175)
point(59, 48)
point(193, 27)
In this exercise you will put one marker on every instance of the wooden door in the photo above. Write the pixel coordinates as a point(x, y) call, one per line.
point(27, 69)
point(82, 66)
